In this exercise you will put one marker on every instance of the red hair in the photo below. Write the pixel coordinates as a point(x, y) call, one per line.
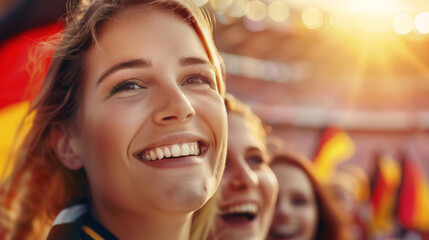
point(331, 223)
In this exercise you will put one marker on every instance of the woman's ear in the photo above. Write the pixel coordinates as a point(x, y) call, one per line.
point(66, 147)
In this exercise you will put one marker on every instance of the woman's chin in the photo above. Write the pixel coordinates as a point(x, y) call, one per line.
point(187, 199)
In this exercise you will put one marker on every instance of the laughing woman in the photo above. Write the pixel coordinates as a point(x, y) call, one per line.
point(129, 135)
point(248, 189)
point(305, 210)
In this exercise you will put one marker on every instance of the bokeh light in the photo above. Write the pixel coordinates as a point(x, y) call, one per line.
point(238, 8)
point(403, 23)
point(422, 22)
point(278, 11)
point(220, 5)
point(312, 18)
point(375, 7)
point(343, 22)
point(374, 23)
point(256, 10)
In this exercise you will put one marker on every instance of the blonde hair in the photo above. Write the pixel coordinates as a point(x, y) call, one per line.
point(39, 185)
point(233, 105)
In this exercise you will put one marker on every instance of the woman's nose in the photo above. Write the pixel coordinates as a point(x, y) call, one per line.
point(283, 210)
point(243, 176)
point(172, 106)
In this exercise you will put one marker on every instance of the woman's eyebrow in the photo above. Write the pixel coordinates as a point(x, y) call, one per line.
point(195, 61)
point(253, 149)
point(134, 63)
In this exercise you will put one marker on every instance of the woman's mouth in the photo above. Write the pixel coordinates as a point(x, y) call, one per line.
point(284, 231)
point(171, 151)
point(240, 213)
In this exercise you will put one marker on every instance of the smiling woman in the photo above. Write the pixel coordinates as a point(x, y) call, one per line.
point(249, 187)
point(129, 135)
point(305, 210)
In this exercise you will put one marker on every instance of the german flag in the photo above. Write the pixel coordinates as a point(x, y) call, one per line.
point(15, 53)
point(383, 197)
point(334, 147)
point(413, 204)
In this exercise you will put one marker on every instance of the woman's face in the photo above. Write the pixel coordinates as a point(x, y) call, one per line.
point(296, 216)
point(153, 125)
point(248, 188)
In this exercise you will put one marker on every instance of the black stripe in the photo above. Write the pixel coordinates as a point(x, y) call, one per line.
point(85, 236)
point(100, 230)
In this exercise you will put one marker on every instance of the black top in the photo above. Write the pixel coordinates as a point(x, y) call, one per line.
point(76, 223)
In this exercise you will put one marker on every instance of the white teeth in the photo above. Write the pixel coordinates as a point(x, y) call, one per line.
point(167, 152)
point(242, 208)
point(175, 150)
point(152, 155)
point(289, 228)
point(197, 150)
point(159, 153)
point(191, 149)
point(185, 149)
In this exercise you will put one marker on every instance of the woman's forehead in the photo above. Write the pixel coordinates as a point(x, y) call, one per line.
point(156, 37)
point(131, 16)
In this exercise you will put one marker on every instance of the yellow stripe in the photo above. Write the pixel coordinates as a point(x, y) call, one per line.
point(10, 119)
point(91, 233)
point(383, 216)
point(390, 170)
point(336, 150)
point(421, 218)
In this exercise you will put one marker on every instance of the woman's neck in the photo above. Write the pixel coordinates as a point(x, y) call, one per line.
point(160, 225)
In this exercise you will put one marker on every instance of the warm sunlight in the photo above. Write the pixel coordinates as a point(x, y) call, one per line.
point(403, 23)
point(422, 22)
point(376, 7)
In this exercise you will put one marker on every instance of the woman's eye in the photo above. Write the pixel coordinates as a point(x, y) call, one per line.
point(255, 160)
point(198, 80)
point(128, 85)
point(299, 201)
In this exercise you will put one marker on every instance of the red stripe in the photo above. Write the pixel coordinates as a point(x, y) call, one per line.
point(380, 192)
point(14, 58)
point(407, 195)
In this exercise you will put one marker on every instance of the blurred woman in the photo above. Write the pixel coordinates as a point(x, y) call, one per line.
point(350, 188)
point(304, 209)
point(248, 189)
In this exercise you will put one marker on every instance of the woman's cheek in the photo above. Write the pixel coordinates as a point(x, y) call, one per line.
point(270, 183)
point(110, 127)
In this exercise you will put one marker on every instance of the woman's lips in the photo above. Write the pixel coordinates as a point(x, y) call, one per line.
point(184, 153)
point(285, 231)
point(239, 213)
point(171, 151)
